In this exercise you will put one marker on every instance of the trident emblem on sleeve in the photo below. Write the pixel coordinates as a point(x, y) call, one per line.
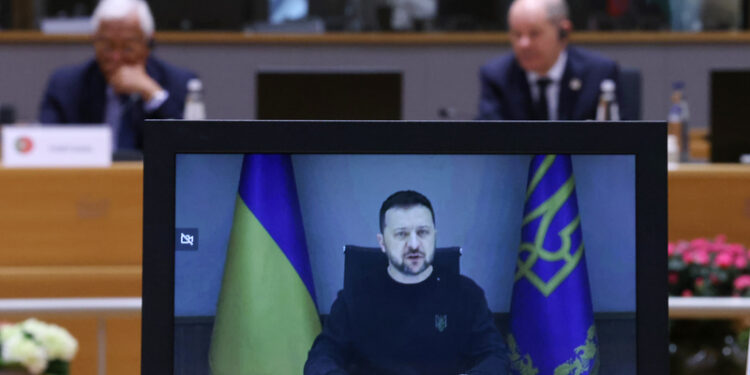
point(441, 322)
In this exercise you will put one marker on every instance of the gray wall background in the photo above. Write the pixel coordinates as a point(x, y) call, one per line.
point(478, 202)
point(434, 76)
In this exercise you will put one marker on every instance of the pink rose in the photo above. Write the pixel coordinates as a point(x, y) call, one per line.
point(700, 244)
point(715, 247)
point(724, 259)
point(681, 247)
point(736, 248)
point(701, 257)
point(742, 282)
point(687, 293)
point(673, 278)
point(670, 249)
point(740, 262)
point(721, 238)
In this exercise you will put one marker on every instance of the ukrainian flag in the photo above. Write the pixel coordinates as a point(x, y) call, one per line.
point(552, 320)
point(266, 317)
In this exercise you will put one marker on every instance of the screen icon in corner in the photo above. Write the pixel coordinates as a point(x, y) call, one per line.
point(186, 239)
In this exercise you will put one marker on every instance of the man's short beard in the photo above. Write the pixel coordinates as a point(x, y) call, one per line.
point(404, 266)
point(407, 270)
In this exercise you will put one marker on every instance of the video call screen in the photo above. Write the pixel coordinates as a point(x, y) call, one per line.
point(478, 202)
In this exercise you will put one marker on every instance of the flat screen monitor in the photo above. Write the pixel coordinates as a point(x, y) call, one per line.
point(201, 205)
point(730, 117)
point(328, 95)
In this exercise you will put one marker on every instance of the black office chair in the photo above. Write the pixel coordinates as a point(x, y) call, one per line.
point(359, 260)
point(630, 90)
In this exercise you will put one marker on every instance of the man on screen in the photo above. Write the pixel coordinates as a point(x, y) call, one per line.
point(543, 78)
point(123, 84)
point(409, 318)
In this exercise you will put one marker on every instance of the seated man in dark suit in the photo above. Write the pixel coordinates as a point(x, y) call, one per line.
point(123, 85)
point(544, 78)
point(408, 318)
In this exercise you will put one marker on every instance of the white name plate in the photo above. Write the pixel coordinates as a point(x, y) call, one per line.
point(57, 146)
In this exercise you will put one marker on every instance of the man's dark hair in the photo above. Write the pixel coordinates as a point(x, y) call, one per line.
point(404, 199)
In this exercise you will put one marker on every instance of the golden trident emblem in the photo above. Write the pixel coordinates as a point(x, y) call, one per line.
point(547, 211)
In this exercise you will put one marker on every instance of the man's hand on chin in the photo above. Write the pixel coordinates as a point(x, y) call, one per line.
point(133, 79)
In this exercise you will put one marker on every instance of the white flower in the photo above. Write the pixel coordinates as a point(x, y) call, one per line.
point(58, 343)
point(33, 343)
point(8, 330)
point(34, 327)
point(20, 349)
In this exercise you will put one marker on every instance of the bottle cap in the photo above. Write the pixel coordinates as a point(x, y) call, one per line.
point(194, 84)
point(607, 85)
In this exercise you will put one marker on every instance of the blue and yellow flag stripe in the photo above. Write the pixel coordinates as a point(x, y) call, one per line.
point(266, 318)
point(267, 187)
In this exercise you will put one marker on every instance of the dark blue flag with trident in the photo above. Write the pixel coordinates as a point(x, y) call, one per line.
point(552, 321)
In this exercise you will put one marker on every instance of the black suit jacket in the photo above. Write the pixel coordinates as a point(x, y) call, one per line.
point(78, 95)
point(505, 92)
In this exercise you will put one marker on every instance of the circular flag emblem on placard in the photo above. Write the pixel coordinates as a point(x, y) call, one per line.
point(24, 145)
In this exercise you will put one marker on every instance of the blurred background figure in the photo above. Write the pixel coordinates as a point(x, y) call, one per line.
point(413, 14)
point(685, 15)
point(123, 84)
point(287, 10)
point(543, 78)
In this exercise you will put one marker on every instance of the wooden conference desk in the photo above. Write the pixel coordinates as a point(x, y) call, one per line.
point(78, 233)
point(710, 199)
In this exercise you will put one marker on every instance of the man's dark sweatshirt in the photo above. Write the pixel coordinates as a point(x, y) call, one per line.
point(441, 325)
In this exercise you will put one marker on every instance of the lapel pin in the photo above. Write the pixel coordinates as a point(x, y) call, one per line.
point(575, 84)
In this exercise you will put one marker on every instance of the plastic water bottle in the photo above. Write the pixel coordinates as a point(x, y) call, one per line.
point(607, 110)
point(673, 151)
point(677, 119)
point(194, 107)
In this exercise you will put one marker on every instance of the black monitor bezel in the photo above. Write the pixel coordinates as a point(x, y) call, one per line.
point(165, 139)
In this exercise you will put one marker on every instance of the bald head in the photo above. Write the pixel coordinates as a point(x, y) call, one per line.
point(538, 30)
point(556, 10)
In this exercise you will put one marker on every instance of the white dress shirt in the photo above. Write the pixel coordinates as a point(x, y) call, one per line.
point(113, 111)
point(555, 74)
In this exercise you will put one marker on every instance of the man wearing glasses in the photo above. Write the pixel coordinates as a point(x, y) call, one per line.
point(122, 85)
